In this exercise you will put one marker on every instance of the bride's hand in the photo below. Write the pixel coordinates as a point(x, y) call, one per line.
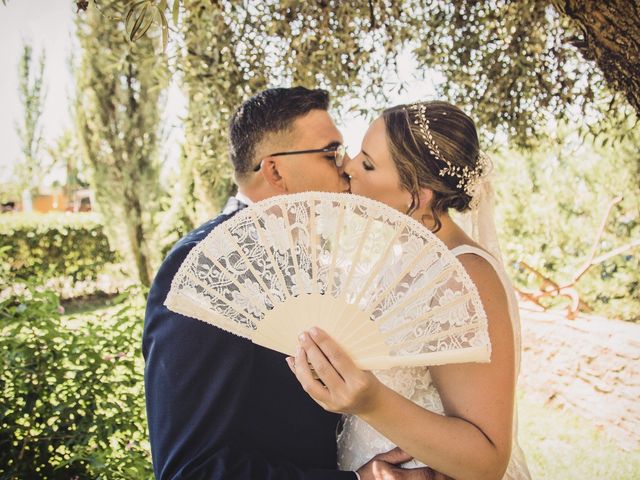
point(339, 386)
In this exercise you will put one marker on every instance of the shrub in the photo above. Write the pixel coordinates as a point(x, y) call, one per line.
point(39, 247)
point(72, 391)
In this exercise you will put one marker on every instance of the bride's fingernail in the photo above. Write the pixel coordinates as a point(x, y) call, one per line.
point(313, 332)
point(302, 337)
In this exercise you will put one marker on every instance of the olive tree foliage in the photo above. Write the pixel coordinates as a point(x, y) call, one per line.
point(229, 51)
point(515, 66)
point(232, 50)
point(119, 87)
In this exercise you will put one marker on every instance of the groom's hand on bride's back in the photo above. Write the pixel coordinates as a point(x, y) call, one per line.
point(384, 466)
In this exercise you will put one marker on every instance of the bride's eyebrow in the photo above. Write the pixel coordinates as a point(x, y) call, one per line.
point(369, 157)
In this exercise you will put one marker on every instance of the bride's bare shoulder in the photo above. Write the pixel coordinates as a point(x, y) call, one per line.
point(484, 276)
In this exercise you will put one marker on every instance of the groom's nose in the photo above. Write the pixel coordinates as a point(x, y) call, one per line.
point(344, 177)
point(346, 166)
point(345, 161)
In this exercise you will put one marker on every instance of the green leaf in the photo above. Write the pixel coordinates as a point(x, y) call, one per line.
point(140, 21)
point(176, 12)
point(165, 29)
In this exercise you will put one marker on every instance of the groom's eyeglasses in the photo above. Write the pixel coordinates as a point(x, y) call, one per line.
point(339, 152)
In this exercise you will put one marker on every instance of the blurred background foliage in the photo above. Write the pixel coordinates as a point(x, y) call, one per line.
point(38, 247)
point(551, 204)
point(559, 121)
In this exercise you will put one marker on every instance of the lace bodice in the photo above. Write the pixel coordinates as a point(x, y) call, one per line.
point(358, 442)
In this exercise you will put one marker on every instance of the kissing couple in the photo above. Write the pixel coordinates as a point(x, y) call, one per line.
point(221, 407)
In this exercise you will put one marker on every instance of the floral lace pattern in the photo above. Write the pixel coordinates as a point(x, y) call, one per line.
point(403, 280)
point(358, 442)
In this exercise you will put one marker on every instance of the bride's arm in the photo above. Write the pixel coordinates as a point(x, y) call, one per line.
point(473, 439)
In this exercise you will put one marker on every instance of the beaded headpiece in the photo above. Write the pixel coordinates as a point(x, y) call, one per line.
point(468, 178)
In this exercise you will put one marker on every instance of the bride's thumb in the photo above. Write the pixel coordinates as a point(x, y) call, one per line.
point(394, 457)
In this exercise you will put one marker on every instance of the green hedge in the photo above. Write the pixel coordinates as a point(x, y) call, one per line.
point(72, 400)
point(39, 247)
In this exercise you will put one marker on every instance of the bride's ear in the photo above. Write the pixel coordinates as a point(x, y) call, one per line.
point(425, 195)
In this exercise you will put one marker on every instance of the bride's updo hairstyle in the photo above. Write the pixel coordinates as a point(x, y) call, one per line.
point(434, 145)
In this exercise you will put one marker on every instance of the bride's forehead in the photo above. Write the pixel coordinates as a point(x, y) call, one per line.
point(375, 128)
point(376, 137)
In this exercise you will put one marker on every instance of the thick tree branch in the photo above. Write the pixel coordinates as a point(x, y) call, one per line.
point(611, 37)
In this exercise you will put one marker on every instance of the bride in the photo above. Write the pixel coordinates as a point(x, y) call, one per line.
point(423, 159)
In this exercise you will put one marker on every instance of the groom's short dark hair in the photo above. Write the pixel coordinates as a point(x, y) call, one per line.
point(270, 111)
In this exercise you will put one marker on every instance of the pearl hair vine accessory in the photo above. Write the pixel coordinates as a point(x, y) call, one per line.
point(468, 178)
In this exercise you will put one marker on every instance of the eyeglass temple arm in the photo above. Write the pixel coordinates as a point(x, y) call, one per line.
point(299, 152)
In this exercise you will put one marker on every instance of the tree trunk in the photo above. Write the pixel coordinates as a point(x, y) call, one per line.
point(137, 249)
point(610, 37)
point(138, 241)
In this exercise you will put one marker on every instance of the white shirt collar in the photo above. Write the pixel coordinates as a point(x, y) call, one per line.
point(241, 197)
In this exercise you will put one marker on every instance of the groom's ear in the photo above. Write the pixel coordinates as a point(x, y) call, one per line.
point(272, 175)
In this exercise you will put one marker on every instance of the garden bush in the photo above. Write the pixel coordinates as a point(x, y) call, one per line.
point(72, 391)
point(39, 247)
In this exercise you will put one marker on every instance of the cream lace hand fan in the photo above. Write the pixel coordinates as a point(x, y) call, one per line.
point(380, 283)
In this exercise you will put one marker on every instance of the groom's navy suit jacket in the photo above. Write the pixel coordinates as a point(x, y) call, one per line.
point(220, 407)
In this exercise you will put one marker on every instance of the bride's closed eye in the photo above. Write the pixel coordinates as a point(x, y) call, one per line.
point(367, 164)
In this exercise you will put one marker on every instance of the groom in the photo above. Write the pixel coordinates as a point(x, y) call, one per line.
point(218, 406)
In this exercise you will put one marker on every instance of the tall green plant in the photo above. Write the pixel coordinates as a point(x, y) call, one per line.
point(119, 89)
point(31, 170)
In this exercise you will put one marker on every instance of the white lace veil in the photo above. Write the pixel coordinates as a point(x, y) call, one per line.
point(479, 224)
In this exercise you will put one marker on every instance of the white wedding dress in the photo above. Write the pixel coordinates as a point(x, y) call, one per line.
point(358, 442)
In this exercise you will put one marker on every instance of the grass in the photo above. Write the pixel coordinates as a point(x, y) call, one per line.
point(560, 445)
